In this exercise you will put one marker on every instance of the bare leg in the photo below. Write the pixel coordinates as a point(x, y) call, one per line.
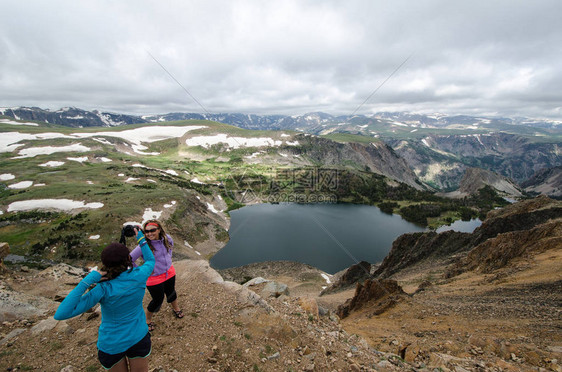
point(121, 366)
point(175, 305)
point(149, 316)
point(139, 364)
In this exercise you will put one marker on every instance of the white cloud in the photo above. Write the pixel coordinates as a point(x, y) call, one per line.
point(285, 57)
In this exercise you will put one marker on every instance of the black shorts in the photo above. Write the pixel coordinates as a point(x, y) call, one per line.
point(141, 349)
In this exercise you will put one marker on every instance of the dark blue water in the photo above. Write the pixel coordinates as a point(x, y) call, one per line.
point(330, 237)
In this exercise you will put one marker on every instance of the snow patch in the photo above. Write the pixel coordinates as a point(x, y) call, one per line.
point(139, 149)
point(9, 140)
point(172, 203)
point(149, 214)
point(145, 134)
point(48, 150)
point(8, 121)
point(232, 142)
point(212, 208)
point(80, 159)
point(172, 172)
point(21, 185)
point(59, 204)
point(254, 155)
point(6, 176)
point(94, 237)
point(52, 164)
point(103, 140)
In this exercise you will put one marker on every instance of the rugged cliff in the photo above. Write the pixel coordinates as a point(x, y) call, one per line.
point(547, 181)
point(375, 157)
point(489, 300)
point(476, 178)
point(441, 160)
point(412, 248)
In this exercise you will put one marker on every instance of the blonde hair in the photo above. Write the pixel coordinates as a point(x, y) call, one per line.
point(162, 235)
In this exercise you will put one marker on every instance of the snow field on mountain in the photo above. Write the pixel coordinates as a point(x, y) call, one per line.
point(235, 142)
point(58, 204)
point(10, 140)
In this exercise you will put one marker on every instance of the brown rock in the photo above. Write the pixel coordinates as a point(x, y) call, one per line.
point(382, 293)
point(310, 306)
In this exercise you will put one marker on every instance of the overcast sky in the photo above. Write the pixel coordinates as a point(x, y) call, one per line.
point(284, 57)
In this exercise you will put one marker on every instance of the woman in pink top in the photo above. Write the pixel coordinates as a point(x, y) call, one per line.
point(162, 281)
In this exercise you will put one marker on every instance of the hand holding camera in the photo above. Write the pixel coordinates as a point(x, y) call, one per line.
point(129, 230)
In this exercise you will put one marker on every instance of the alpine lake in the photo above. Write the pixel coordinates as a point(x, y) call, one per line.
point(330, 237)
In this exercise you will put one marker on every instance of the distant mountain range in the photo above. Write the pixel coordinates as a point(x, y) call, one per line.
point(316, 122)
point(438, 148)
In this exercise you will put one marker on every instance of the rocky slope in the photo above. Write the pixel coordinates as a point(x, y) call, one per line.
point(490, 300)
point(375, 157)
point(546, 181)
point(441, 160)
point(486, 301)
point(411, 249)
point(476, 178)
point(227, 327)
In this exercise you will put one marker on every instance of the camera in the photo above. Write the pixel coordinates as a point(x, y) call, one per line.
point(128, 231)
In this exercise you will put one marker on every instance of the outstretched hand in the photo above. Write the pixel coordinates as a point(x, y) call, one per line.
point(138, 230)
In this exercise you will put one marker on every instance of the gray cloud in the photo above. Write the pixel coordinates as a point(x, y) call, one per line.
point(290, 57)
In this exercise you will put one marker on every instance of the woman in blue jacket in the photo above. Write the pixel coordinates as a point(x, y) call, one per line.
point(123, 337)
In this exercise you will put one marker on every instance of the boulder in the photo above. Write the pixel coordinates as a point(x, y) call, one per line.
point(357, 273)
point(274, 289)
point(379, 294)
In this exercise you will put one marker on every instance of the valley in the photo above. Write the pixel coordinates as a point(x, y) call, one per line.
point(66, 191)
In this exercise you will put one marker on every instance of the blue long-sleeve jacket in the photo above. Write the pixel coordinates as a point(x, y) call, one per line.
point(123, 321)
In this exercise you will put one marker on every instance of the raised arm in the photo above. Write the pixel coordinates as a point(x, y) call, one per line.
point(149, 260)
point(77, 302)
